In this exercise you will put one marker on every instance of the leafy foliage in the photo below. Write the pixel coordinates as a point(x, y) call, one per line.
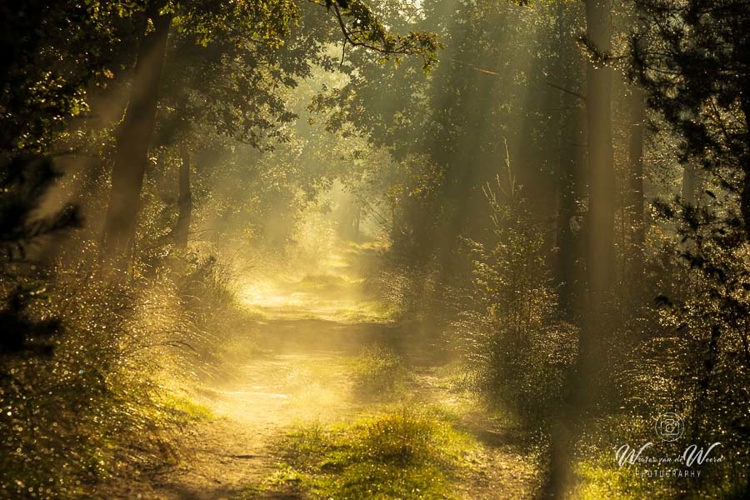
point(522, 354)
point(23, 182)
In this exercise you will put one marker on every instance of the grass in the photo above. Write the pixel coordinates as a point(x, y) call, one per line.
point(404, 453)
point(599, 475)
point(180, 410)
point(378, 373)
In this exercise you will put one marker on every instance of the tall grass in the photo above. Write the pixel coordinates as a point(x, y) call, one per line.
point(405, 453)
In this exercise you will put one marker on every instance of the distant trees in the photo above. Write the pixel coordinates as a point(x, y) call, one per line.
point(243, 40)
point(222, 65)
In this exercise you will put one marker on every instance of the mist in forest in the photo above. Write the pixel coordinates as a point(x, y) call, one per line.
point(348, 249)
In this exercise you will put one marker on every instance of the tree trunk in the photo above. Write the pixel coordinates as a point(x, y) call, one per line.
point(568, 68)
point(745, 161)
point(600, 254)
point(636, 200)
point(635, 157)
point(572, 136)
point(599, 228)
point(589, 376)
point(132, 144)
point(184, 201)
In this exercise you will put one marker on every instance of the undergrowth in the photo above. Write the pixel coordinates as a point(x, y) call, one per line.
point(106, 403)
point(600, 475)
point(406, 453)
point(378, 373)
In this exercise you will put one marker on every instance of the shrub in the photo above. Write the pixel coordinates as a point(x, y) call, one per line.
point(520, 352)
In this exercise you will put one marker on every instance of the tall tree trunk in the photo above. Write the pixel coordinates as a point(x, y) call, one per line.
point(635, 157)
point(745, 161)
point(585, 382)
point(184, 201)
point(600, 255)
point(566, 208)
point(568, 69)
point(636, 201)
point(572, 136)
point(133, 143)
point(599, 230)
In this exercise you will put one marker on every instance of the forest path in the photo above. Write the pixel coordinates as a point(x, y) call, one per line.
point(312, 328)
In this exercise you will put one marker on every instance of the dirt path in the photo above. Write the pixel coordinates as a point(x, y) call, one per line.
point(253, 410)
point(310, 330)
point(272, 394)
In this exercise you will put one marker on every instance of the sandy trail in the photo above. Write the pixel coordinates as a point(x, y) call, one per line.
point(254, 409)
point(309, 329)
point(312, 328)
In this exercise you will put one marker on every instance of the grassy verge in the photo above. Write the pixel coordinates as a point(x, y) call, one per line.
point(404, 453)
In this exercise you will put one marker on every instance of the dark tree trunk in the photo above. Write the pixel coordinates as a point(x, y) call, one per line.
point(745, 196)
point(599, 227)
point(589, 376)
point(635, 157)
point(184, 201)
point(565, 266)
point(636, 200)
point(600, 243)
point(568, 68)
point(133, 143)
point(572, 137)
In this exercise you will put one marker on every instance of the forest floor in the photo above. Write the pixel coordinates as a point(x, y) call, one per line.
point(296, 371)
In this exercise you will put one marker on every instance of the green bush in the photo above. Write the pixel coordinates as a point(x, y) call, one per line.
point(104, 405)
point(509, 334)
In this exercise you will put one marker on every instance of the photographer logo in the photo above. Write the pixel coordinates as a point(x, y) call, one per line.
point(666, 461)
point(669, 427)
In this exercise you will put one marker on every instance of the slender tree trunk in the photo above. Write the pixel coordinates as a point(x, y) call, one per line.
point(636, 201)
point(635, 157)
point(745, 196)
point(568, 68)
point(184, 201)
point(599, 230)
point(566, 255)
point(133, 143)
point(583, 385)
point(601, 256)
point(563, 428)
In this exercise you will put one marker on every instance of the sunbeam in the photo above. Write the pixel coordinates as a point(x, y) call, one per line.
point(346, 249)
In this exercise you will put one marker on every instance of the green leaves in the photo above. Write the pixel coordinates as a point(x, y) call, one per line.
point(361, 28)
